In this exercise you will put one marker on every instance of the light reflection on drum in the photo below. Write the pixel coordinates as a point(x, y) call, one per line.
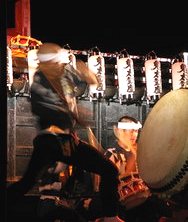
point(163, 145)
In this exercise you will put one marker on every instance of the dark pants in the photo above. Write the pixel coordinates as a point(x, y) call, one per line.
point(149, 211)
point(48, 211)
point(48, 148)
point(88, 158)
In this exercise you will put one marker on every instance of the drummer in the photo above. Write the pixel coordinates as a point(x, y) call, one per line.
point(123, 155)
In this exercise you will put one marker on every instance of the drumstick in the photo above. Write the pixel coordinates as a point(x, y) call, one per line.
point(93, 140)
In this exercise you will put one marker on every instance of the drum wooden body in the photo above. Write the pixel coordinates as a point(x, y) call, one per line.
point(133, 191)
point(163, 145)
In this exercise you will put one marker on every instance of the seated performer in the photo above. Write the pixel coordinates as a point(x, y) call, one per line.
point(136, 202)
point(53, 100)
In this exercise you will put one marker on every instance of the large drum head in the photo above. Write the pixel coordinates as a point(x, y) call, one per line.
point(163, 144)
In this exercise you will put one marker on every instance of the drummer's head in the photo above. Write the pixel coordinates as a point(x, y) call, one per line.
point(127, 130)
point(52, 59)
point(52, 53)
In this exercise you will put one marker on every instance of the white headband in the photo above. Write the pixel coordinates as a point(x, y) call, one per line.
point(61, 56)
point(129, 125)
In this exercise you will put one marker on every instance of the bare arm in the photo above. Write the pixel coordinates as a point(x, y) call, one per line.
point(85, 73)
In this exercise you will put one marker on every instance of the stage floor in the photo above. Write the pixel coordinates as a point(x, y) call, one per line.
point(25, 210)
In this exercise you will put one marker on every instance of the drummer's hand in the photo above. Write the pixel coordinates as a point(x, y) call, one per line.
point(85, 73)
point(86, 203)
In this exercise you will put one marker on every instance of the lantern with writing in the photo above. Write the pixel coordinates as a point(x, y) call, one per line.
point(126, 80)
point(72, 59)
point(9, 68)
point(96, 64)
point(80, 88)
point(153, 78)
point(179, 75)
point(32, 60)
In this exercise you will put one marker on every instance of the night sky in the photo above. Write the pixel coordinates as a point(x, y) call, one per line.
point(53, 21)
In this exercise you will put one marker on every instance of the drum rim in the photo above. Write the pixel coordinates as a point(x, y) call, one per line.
point(177, 178)
point(176, 184)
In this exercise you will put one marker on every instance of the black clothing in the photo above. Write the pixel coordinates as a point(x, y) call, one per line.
point(48, 102)
point(54, 102)
point(48, 148)
point(150, 210)
point(48, 211)
point(51, 205)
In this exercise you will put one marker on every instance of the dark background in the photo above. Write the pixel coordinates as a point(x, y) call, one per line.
point(137, 27)
point(111, 26)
